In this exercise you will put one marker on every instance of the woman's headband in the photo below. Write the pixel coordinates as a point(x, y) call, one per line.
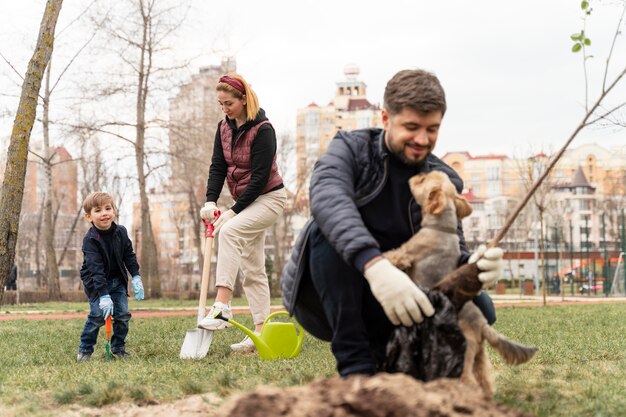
point(233, 82)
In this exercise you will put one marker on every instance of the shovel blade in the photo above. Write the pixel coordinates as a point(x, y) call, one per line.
point(196, 344)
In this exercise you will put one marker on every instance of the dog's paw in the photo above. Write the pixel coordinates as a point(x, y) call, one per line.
point(398, 259)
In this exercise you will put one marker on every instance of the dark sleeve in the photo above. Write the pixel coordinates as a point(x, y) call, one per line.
point(217, 171)
point(333, 202)
point(464, 252)
point(130, 259)
point(261, 158)
point(95, 264)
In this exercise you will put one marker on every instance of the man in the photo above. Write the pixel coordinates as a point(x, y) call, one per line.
point(337, 283)
point(11, 283)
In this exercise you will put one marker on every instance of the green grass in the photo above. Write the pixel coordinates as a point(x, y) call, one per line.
point(580, 369)
point(73, 307)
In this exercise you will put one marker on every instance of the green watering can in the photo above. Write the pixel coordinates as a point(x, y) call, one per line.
point(278, 339)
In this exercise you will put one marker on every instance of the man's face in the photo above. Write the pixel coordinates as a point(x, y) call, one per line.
point(410, 135)
point(102, 217)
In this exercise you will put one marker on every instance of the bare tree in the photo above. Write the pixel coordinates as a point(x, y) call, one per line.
point(138, 37)
point(281, 233)
point(15, 173)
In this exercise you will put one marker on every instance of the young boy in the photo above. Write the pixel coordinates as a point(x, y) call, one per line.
point(108, 259)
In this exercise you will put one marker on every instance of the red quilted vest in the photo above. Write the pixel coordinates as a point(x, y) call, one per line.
point(238, 160)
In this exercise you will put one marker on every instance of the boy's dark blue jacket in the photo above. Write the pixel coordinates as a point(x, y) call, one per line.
point(97, 265)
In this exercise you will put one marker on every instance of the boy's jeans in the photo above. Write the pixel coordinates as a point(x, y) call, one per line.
point(95, 319)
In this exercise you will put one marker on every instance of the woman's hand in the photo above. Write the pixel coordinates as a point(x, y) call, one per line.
point(222, 220)
point(208, 211)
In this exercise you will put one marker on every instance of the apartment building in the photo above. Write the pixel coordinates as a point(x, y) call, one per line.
point(316, 125)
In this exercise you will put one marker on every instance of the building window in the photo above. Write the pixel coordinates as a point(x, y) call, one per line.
point(493, 173)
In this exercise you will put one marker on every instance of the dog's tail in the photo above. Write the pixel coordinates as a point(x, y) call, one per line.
point(513, 353)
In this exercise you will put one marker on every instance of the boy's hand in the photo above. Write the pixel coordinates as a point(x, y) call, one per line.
point(137, 287)
point(106, 305)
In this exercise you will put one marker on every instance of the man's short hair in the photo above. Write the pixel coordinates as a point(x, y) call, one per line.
point(418, 89)
point(97, 199)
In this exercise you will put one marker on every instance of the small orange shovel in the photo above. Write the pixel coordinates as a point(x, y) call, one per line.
point(108, 329)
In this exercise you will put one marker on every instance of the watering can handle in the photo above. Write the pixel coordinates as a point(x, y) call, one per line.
point(283, 313)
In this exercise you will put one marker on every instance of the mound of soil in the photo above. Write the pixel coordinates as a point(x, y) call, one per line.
point(383, 395)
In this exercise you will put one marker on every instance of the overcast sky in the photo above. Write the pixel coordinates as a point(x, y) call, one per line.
point(511, 81)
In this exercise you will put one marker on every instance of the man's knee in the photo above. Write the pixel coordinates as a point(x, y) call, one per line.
point(485, 304)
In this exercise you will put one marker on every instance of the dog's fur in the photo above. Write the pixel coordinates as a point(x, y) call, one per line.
point(432, 253)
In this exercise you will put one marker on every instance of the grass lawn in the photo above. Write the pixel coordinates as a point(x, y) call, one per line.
point(73, 307)
point(580, 369)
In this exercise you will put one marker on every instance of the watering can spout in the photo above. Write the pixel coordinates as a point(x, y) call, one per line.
point(261, 346)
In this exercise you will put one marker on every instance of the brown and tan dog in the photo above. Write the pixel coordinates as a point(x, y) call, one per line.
point(432, 253)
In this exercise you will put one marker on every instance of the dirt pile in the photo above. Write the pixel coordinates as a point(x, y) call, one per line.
point(384, 395)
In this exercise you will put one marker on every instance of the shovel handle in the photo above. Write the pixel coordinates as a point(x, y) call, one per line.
point(108, 327)
point(206, 266)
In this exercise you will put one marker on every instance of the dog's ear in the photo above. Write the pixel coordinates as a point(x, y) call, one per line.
point(416, 180)
point(463, 208)
point(436, 201)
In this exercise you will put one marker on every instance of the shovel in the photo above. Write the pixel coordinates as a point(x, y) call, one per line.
point(108, 329)
point(197, 341)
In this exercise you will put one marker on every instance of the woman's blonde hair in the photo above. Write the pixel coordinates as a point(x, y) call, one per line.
point(252, 102)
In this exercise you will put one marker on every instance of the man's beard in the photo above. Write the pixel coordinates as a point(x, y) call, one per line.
point(406, 161)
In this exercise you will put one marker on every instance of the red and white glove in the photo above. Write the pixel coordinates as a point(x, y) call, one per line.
point(489, 261)
point(229, 214)
point(208, 211)
point(401, 299)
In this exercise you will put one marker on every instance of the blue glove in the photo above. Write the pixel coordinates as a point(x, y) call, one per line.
point(137, 287)
point(106, 305)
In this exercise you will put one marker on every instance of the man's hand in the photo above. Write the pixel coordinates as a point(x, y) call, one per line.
point(489, 261)
point(401, 299)
point(106, 305)
point(137, 287)
point(222, 220)
point(208, 211)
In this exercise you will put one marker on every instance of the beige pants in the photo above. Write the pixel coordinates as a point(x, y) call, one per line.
point(242, 246)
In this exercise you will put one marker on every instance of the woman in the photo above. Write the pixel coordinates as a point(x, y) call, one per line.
point(245, 155)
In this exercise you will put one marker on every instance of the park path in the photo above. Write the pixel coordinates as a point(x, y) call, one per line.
point(499, 301)
point(34, 315)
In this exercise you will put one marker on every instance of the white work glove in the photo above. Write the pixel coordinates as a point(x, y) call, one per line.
point(489, 261)
point(208, 211)
point(401, 299)
point(229, 214)
point(106, 305)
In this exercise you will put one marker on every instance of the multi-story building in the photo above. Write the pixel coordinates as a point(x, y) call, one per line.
point(194, 113)
point(578, 206)
point(316, 125)
point(69, 225)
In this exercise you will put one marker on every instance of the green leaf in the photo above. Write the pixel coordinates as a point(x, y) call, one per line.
point(587, 41)
point(577, 47)
point(575, 37)
point(584, 4)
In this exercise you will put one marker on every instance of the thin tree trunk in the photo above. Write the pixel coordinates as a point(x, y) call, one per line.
point(69, 237)
point(15, 172)
point(542, 250)
point(52, 271)
point(150, 260)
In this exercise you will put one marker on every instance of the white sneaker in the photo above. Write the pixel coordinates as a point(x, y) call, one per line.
point(246, 345)
point(211, 322)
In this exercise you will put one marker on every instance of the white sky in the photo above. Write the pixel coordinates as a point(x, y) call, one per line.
point(512, 83)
